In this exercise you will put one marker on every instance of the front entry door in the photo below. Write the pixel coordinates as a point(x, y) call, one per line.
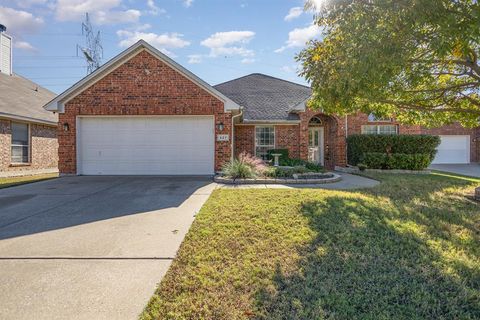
point(315, 145)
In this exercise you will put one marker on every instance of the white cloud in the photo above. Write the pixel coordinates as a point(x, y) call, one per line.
point(164, 42)
point(100, 11)
point(229, 43)
point(194, 58)
point(294, 13)
point(154, 10)
point(24, 45)
point(221, 39)
point(289, 69)
point(298, 37)
point(28, 3)
point(247, 61)
point(187, 3)
point(19, 22)
point(114, 17)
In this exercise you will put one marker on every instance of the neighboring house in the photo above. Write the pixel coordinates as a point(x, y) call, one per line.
point(142, 113)
point(28, 133)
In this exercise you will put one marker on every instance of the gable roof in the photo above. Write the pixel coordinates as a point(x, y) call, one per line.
point(265, 98)
point(23, 99)
point(58, 104)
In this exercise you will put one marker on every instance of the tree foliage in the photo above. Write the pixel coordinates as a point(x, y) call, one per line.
point(416, 60)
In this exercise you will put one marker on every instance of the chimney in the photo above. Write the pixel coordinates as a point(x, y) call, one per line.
point(5, 51)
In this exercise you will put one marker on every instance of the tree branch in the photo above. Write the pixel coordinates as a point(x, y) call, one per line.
point(410, 106)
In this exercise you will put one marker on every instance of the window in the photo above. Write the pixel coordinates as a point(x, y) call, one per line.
point(315, 121)
point(374, 118)
point(379, 129)
point(20, 143)
point(264, 141)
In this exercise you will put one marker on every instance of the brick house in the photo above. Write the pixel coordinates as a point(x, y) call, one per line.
point(28, 133)
point(142, 113)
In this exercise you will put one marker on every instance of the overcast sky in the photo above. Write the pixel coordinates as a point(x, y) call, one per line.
point(218, 40)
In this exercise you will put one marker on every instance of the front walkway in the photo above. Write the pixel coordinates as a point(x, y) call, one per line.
point(471, 169)
point(349, 181)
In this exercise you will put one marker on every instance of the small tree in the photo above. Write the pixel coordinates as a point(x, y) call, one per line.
point(416, 60)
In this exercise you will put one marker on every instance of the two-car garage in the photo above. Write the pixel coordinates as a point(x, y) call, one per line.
point(154, 145)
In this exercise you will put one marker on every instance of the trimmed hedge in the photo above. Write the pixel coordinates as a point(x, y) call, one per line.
point(359, 144)
point(376, 160)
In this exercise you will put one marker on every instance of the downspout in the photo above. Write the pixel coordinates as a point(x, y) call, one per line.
point(346, 136)
point(233, 132)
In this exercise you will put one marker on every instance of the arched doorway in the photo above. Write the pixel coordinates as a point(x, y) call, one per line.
point(316, 140)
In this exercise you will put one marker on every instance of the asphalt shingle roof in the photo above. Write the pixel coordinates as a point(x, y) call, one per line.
point(264, 97)
point(23, 98)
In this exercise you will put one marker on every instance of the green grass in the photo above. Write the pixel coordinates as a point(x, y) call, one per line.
point(14, 181)
point(407, 249)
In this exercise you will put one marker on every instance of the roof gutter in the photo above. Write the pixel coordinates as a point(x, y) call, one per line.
point(28, 119)
point(271, 121)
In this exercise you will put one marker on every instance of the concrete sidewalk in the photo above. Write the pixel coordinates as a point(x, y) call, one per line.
point(471, 169)
point(91, 247)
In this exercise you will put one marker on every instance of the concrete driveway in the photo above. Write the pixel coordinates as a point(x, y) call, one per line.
point(91, 247)
point(472, 169)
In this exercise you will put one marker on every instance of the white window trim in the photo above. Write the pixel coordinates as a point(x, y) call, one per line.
point(373, 118)
point(29, 147)
point(274, 138)
point(377, 126)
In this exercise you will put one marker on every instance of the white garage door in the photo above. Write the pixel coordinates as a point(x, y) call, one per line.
point(453, 149)
point(145, 146)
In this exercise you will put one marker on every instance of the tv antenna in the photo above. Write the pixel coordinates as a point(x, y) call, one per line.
point(93, 50)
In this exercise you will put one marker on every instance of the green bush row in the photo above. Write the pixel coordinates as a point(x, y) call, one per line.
point(285, 160)
point(377, 160)
point(359, 144)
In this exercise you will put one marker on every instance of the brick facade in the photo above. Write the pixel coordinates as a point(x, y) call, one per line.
point(143, 85)
point(43, 148)
point(295, 137)
point(355, 123)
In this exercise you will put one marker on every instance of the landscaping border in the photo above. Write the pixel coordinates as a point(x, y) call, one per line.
point(400, 171)
point(335, 178)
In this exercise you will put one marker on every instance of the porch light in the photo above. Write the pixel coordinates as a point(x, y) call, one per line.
point(220, 126)
point(66, 127)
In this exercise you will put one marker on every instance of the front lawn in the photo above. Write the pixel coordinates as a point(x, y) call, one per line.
point(14, 181)
point(407, 249)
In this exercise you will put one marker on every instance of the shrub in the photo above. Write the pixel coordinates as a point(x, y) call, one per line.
point(376, 160)
point(278, 172)
point(360, 144)
point(362, 166)
point(290, 162)
point(237, 169)
point(258, 165)
point(314, 167)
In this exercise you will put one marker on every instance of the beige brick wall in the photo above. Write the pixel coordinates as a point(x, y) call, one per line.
point(43, 147)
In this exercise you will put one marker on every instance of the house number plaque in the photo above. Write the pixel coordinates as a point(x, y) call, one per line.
point(222, 137)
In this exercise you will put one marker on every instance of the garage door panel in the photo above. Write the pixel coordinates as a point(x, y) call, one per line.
point(453, 149)
point(129, 145)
